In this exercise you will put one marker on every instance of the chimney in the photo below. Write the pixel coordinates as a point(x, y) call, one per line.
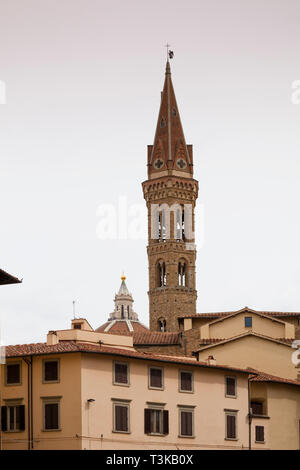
point(211, 361)
point(52, 338)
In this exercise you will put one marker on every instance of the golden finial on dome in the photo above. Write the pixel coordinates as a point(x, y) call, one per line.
point(123, 277)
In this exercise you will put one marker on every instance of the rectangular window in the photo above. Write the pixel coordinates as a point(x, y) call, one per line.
point(186, 381)
point(13, 374)
point(156, 421)
point(259, 434)
point(186, 422)
point(51, 416)
point(121, 417)
point(248, 322)
point(51, 371)
point(230, 383)
point(156, 378)
point(121, 373)
point(13, 418)
point(257, 408)
point(231, 425)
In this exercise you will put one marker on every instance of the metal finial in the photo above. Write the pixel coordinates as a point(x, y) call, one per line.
point(170, 54)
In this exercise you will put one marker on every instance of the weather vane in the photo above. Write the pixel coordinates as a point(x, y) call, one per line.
point(170, 54)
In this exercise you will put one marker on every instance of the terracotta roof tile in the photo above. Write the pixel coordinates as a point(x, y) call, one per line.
point(264, 377)
point(156, 338)
point(211, 340)
point(71, 346)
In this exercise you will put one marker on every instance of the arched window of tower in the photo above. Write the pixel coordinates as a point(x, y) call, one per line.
point(162, 325)
point(122, 311)
point(161, 275)
point(182, 274)
point(162, 232)
point(128, 311)
point(180, 223)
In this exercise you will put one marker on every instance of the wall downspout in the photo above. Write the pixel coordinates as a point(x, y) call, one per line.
point(27, 362)
point(31, 399)
point(249, 414)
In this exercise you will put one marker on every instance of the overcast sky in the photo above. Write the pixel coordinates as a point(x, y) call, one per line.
point(83, 81)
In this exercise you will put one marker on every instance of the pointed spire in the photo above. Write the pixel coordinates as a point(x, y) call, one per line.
point(169, 155)
point(123, 288)
point(123, 304)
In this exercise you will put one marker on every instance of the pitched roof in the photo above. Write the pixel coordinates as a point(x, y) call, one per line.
point(6, 278)
point(244, 309)
point(156, 338)
point(264, 377)
point(37, 349)
point(141, 334)
point(215, 342)
point(233, 314)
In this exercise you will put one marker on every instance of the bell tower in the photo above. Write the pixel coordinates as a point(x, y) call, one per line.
point(170, 193)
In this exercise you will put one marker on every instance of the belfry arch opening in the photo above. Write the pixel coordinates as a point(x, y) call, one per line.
point(162, 325)
point(182, 273)
point(180, 229)
point(161, 275)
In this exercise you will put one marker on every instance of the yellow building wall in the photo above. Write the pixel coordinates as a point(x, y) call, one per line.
point(284, 410)
point(235, 325)
point(208, 398)
point(69, 391)
point(15, 440)
point(255, 352)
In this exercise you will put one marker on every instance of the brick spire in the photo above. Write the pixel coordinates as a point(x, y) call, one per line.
point(169, 155)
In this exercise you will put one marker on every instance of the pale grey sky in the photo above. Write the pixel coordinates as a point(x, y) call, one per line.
point(83, 82)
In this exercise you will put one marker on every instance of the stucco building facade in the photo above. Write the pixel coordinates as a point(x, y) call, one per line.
point(222, 380)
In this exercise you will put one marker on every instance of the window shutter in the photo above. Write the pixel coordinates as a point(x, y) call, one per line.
point(165, 422)
point(230, 386)
point(186, 381)
point(121, 373)
point(12, 373)
point(259, 433)
point(231, 427)
point(21, 417)
point(51, 370)
point(3, 418)
point(147, 421)
point(156, 378)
